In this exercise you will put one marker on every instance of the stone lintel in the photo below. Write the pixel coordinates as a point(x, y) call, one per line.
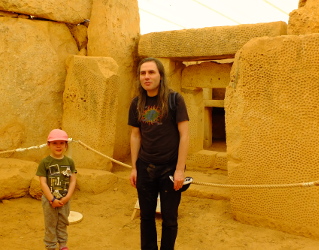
point(214, 103)
point(72, 11)
point(206, 43)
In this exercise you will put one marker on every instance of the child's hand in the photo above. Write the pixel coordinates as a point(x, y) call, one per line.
point(57, 203)
point(64, 200)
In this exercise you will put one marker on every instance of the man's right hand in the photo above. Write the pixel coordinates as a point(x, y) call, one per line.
point(133, 177)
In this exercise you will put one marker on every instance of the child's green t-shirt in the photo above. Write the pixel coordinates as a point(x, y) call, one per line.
point(57, 172)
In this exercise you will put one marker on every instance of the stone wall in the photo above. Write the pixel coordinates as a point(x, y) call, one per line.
point(72, 11)
point(57, 73)
point(33, 72)
point(39, 37)
point(272, 132)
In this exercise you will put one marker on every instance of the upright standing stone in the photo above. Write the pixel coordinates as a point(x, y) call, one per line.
point(114, 32)
point(90, 109)
point(272, 125)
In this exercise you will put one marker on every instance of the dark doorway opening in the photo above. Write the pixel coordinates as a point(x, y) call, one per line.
point(218, 130)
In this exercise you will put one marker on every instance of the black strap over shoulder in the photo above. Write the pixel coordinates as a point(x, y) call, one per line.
point(172, 100)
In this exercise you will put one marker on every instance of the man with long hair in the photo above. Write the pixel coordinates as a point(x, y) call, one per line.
point(159, 145)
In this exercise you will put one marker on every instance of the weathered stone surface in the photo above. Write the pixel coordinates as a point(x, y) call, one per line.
point(272, 132)
point(203, 159)
point(194, 99)
point(114, 32)
point(33, 71)
point(207, 160)
point(95, 181)
point(15, 177)
point(305, 19)
point(206, 75)
point(35, 188)
point(71, 11)
point(90, 109)
point(115, 24)
point(208, 191)
point(206, 43)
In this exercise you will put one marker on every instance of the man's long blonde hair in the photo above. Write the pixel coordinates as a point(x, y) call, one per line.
point(163, 91)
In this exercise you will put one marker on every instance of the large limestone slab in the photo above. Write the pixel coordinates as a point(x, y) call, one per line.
point(272, 130)
point(95, 181)
point(194, 100)
point(207, 160)
point(71, 11)
point(90, 109)
point(114, 32)
point(15, 177)
point(305, 19)
point(206, 43)
point(33, 71)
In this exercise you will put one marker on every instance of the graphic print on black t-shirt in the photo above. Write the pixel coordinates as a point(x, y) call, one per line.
point(152, 115)
point(59, 180)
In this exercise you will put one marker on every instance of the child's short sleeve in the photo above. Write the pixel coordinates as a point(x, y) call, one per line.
point(41, 171)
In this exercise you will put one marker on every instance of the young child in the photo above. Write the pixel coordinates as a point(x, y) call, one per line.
point(57, 179)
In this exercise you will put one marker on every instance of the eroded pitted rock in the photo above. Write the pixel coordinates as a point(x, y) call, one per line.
point(272, 129)
point(90, 109)
point(305, 19)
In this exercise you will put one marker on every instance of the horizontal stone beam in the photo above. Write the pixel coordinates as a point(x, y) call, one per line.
point(205, 43)
point(71, 11)
point(214, 103)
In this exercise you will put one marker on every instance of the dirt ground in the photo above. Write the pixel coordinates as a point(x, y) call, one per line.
point(203, 224)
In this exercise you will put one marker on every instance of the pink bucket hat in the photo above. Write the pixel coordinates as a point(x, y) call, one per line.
point(57, 135)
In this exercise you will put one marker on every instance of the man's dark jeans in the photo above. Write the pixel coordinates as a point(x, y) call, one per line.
point(151, 181)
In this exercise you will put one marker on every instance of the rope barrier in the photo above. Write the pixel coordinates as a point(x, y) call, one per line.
point(110, 158)
point(290, 185)
point(22, 149)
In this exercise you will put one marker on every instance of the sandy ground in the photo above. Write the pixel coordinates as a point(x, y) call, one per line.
point(203, 224)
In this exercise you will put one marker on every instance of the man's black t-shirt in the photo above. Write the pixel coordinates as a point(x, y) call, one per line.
point(160, 136)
